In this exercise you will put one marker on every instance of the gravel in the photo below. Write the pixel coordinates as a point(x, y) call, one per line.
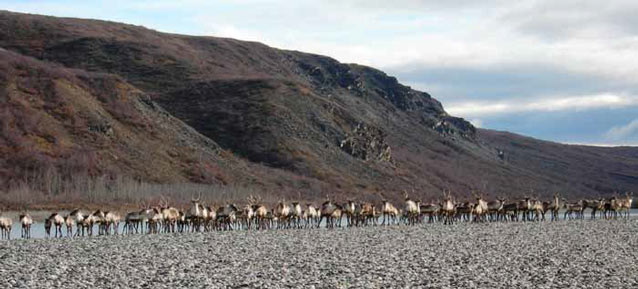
point(568, 254)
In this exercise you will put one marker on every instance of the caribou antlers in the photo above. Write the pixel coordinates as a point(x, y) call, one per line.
point(199, 197)
point(383, 198)
point(447, 193)
point(163, 202)
point(251, 200)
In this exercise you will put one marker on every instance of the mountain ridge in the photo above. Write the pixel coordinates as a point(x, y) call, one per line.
point(351, 128)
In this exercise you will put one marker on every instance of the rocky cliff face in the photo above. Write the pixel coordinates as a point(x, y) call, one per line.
point(292, 120)
point(367, 143)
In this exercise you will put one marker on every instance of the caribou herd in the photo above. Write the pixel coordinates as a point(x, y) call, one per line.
point(164, 218)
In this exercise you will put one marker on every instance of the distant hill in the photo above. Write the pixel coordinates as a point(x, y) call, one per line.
point(95, 97)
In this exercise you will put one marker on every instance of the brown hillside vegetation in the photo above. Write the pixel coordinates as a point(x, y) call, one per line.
point(104, 97)
point(62, 129)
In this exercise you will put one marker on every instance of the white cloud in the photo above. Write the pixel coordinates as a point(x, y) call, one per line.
point(429, 34)
point(476, 122)
point(548, 104)
point(587, 37)
point(625, 132)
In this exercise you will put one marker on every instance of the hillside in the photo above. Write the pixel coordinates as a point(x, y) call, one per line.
point(64, 121)
point(279, 115)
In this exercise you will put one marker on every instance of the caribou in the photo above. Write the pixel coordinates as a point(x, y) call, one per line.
point(389, 213)
point(448, 209)
point(6, 224)
point(480, 209)
point(69, 222)
point(594, 205)
point(349, 210)
point(55, 220)
point(625, 204)
point(510, 211)
point(226, 216)
point(525, 207)
point(332, 213)
point(196, 214)
point(296, 215)
point(111, 221)
point(572, 209)
point(311, 215)
point(432, 210)
point(364, 214)
point(613, 207)
point(261, 216)
point(537, 210)
point(132, 221)
point(464, 211)
point(26, 221)
point(495, 210)
point(282, 213)
point(411, 210)
point(553, 207)
point(78, 217)
point(253, 215)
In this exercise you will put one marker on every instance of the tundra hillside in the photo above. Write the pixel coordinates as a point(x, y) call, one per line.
point(109, 100)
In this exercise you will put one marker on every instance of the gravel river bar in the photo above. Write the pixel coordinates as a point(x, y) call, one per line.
point(565, 254)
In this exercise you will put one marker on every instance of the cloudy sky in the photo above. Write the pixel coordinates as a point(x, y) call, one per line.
point(564, 70)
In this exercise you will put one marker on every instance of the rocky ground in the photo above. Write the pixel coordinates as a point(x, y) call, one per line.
point(567, 254)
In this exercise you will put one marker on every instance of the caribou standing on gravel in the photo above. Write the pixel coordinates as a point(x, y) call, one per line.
point(57, 221)
point(464, 211)
point(6, 224)
point(573, 210)
point(613, 207)
point(261, 216)
point(553, 207)
point(625, 204)
point(364, 214)
point(98, 218)
point(210, 218)
point(69, 222)
point(389, 213)
point(448, 210)
point(26, 221)
point(282, 213)
point(132, 222)
point(411, 210)
point(78, 217)
point(480, 209)
point(153, 217)
point(226, 216)
point(331, 212)
point(111, 221)
point(510, 212)
point(169, 216)
point(495, 210)
point(163, 218)
point(525, 208)
point(87, 224)
point(537, 210)
point(247, 215)
point(431, 210)
point(349, 210)
point(196, 214)
point(296, 215)
point(594, 205)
